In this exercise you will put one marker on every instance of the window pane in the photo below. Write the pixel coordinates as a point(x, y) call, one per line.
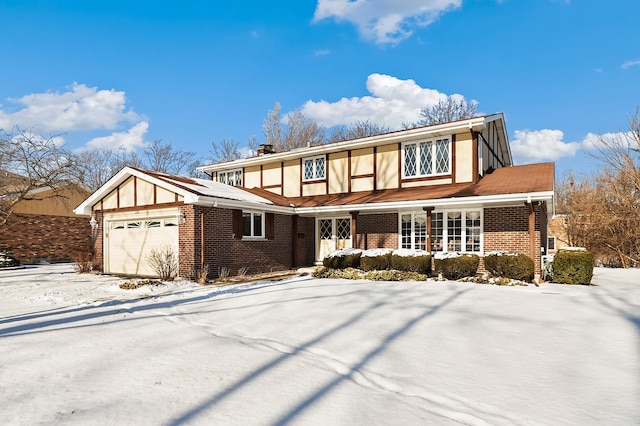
point(410, 160)
point(238, 174)
point(405, 231)
point(454, 231)
point(171, 222)
point(308, 169)
point(153, 224)
point(442, 156)
point(437, 230)
point(426, 158)
point(257, 224)
point(472, 231)
point(134, 225)
point(320, 168)
point(343, 231)
point(246, 224)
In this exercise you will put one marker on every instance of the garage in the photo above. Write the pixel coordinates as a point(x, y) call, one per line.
point(129, 241)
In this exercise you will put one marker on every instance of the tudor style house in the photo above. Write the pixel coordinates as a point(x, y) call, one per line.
point(443, 188)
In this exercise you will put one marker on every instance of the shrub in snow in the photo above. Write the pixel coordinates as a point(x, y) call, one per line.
point(516, 266)
point(7, 261)
point(375, 259)
point(345, 258)
point(394, 276)
point(411, 261)
point(82, 261)
point(454, 266)
point(164, 262)
point(573, 267)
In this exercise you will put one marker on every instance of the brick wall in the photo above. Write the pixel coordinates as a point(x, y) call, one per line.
point(507, 229)
point(30, 238)
point(222, 250)
point(377, 231)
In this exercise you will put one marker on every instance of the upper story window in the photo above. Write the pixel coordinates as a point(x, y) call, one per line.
point(231, 177)
point(314, 168)
point(428, 158)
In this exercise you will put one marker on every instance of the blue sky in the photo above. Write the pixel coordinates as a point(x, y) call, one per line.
point(123, 73)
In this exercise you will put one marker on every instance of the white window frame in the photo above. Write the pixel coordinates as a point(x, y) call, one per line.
point(316, 176)
point(445, 230)
point(434, 158)
point(252, 235)
point(463, 236)
point(413, 230)
point(231, 177)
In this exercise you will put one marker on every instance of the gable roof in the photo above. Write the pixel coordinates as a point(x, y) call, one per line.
point(478, 124)
point(194, 190)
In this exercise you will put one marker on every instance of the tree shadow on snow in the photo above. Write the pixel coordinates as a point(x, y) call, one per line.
point(294, 412)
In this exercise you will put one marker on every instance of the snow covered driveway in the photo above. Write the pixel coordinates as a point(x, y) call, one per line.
point(75, 349)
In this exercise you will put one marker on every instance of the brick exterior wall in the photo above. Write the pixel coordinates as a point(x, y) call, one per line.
point(222, 250)
point(31, 238)
point(507, 229)
point(377, 231)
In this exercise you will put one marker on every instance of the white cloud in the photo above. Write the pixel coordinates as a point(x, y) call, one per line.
point(385, 21)
point(532, 146)
point(393, 102)
point(81, 108)
point(129, 140)
point(630, 64)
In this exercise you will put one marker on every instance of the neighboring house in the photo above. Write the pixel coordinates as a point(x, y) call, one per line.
point(557, 234)
point(44, 227)
point(448, 187)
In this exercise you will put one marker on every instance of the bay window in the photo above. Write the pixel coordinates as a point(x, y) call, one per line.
point(451, 231)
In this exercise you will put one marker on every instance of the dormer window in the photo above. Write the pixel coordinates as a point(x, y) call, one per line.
point(231, 177)
point(314, 168)
point(428, 158)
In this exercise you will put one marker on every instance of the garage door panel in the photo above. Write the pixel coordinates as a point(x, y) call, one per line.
point(131, 242)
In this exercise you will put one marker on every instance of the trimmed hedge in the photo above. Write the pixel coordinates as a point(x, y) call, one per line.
point(573, 267)
point(375, 260)
point(456, 267)
point(420, 263)
point(515, 266)
point(341, 259)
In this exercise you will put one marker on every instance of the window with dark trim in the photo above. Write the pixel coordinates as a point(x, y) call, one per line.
point(248, 224)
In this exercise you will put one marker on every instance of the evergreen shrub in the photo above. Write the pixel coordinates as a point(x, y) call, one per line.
point(411, 261)
point(515, 266)
point(573, 267)
point(375, 259)
point(454, 266)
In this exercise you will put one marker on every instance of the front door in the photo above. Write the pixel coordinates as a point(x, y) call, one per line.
point(333, 234)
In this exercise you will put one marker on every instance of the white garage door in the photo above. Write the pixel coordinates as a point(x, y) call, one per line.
point(129, 242)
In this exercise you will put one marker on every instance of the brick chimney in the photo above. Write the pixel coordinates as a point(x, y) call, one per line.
point(265, 148)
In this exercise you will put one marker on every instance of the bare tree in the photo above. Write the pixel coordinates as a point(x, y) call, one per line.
point(358, 129)
point(28, 165)
point(451, 108)
point(163, 158)
point(225, 150)
point(300, 130)
point(94, 167)
point(604, 210)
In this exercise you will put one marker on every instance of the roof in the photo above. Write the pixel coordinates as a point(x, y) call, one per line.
point(478, 124)
point(515, 184)
point(515, 180)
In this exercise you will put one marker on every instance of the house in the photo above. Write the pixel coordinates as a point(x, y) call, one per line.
point(43, 226)
point(446, 187)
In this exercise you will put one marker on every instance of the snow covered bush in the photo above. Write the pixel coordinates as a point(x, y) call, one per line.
point(573, 266)
point(454, 266)
point(345, 258)
point(411, 261)
point(164, 262)
point(509, 265)
point(82, 261)
point(375, 259)
point(7, 261)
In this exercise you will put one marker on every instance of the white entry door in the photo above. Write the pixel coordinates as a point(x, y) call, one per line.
point(333, 234)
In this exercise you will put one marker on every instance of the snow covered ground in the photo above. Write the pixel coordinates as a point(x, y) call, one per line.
point(75, 349)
